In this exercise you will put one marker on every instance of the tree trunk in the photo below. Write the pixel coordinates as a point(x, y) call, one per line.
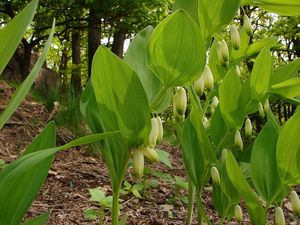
point(76, 60)
point(93, 36)
point(118, 43)
point(24, 62)
point(63, 66)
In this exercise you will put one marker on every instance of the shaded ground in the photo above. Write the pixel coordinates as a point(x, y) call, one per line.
point(65, 194)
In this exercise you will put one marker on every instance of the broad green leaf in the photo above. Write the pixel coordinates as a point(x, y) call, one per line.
point(256, 211)
point(114, 151)
point(288, 151)
point(165, 158)
point(215, 15)
point(190, 6)
point(225, 196)
point(38, 220)
point(97, 195)
point(13, 32)
point(217, 129)
point(136, 56)
point(259, 79)
point(23, 89)
point(18, 191)
point(122, 101)
point(257, 46)
point(230, 91)
point(238, 180)
point(250, 105)
point(176, 50)
point(282, 7)
point(263, 162)
point(289, 88)
point(285, 72)
point(198, 153)
point(89, 109)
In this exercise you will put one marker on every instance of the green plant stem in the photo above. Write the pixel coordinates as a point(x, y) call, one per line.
point(223, 141)
point(200, 210)
point(159, 96)
point(115, 207)
point(199, 205)
point(190, 203)
point(206, 104)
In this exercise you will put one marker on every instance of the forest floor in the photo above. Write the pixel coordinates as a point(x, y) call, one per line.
point(65, 194)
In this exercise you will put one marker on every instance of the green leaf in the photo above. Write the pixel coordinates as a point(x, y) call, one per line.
point(165, 158)
point(217, 129)
point(263, 162)
point(257, 46)
point(238, 180)
point(198, 153)
point(13, 32)
point(285, 72)
point(26, 85)
point(38, 220)
point(215, 15)
point(284, 8)
point(259, 79)
point(256, 211)
point(176, 50)
point(19, 190)
point(90, 214)
point(288, 151)
point(230, 91)
point(122, 101)
point(136, 56)
point(289, 88)
point(189, 6)
point(97, 195)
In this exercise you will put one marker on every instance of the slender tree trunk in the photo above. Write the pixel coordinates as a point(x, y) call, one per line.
point(63, 65)
point(24, 62)
point(93, 36)
point(76, 60)
point(118, 43)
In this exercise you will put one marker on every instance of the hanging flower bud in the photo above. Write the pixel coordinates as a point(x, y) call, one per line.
point(238, 140)
point(279, 216)
point(214, 104)
point(223, 155)
point(214, 173)
point(261, 110)
point(295, 202)
point(238, 214)
point(205, 122)
point(180, 101)
point(149, 153)
point(238, 70)
point(247, 25)
point(208, 78)
point(138, 163)
point(266, 105)
point(153, 133)
point(160, 130)
point(248, 128)
point(223, 53)
point(235, 38)
point(199, 85)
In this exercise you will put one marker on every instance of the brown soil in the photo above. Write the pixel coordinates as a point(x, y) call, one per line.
point(65, 193)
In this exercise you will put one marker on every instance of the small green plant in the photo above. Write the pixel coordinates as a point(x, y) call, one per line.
point(105, 203)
